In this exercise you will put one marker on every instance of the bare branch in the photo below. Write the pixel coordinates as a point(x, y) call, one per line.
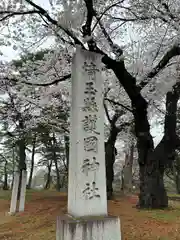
point(105, 11)
point(174, 51)
point(104, 31)
point(106, 111)
point(12, 13)
point(40, 84)
point(119, 104)
point(54, 22)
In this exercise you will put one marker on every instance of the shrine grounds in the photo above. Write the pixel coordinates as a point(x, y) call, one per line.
point(39, 219)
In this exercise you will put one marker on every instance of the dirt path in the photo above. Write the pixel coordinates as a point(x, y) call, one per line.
point(39, 219)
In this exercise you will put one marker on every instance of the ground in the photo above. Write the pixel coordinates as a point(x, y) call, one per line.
point(39, 219)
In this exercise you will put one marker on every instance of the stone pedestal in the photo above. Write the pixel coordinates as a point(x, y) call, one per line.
point(14, 194)
point(92, 228)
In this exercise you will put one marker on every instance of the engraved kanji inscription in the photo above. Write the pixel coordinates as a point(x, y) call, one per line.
point(89, 123)
point(90, 165)
point(89, 89)
point(90, 68)
point(90, 98)
point(90, 105)
point(91, 191)
point(91, 144)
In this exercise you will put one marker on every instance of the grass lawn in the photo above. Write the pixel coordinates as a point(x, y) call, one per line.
point(39, 219)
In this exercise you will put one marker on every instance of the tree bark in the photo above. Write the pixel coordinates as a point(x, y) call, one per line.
point(48, 181)
point(66, 139)
point(128, 169)
point(110, 153)
point(178, 184)
point(32, 162)
point(55, 159)
point(152, 190)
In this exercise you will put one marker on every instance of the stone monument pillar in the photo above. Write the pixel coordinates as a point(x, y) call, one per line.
point(87, 217)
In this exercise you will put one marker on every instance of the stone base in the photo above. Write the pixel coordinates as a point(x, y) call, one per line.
point(88, 228)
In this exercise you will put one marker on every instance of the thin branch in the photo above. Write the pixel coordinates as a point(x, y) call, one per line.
point(104, 31)
point(106, 111)
point(119, 104)
point(105, 11)
point(174, 51)
point(160, 45)
point(54, 22)
point(142, 18)
point(40, 84)
point(12, 13)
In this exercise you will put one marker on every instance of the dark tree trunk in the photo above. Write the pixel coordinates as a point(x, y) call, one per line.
point(177, 184)
point(176, 173)
point(5, 183)
point(152, 195)
point(48, 181)
point(32, 163)
point(152, 191)
point(66, 139)
point(127, 169)
point(55, 159)
point(110, 154)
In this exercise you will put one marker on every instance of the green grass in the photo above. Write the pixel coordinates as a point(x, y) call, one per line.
point(5, 195)
point(168, 215)
point(173, 195)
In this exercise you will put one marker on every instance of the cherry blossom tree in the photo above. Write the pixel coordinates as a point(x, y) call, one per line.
point(141, 63)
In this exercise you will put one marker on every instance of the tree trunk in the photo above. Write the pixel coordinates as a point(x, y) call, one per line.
point(152, 191)
point(66, 139)
point(48, 181)
point(178, 184)
point(5, 184)
point(32, 163)
point(128, 169)
point(55, 159)
point(110, 154)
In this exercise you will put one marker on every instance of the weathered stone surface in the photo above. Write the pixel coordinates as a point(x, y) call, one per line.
point(89, 228)
point(87, 181)
point(23, 191)
point(87, 201)
point(14, 194)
